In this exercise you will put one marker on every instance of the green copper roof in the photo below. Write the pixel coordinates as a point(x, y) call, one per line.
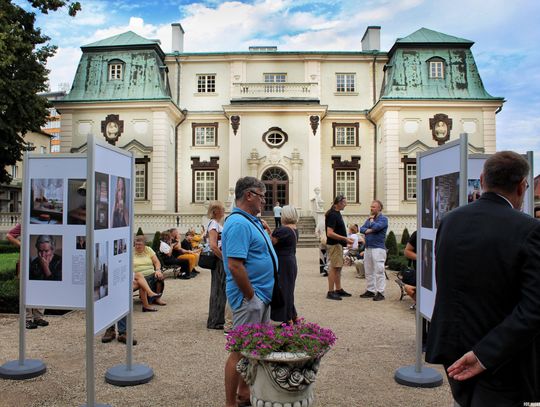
point(122, 40)
point(407, 71)
point(424, 35)
point(142, 76)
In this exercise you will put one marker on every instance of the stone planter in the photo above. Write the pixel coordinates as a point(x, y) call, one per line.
point(280, 379)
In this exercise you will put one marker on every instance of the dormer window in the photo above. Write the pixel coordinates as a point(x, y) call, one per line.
point(116, 70)
point(436, 68)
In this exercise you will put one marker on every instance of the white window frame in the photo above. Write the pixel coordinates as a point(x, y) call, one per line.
point(116, 71)
point(206, 83)
point(14, 172)
point(345, 181)
point(271, 137)
point(204, 185)
point(345, 136)
point(140, 181)
point(276, 79)
point(410, 181)
point(345, 82)
point(205, 136)
point(436, 69)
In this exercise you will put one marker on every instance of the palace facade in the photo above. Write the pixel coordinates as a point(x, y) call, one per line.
point(311, 124)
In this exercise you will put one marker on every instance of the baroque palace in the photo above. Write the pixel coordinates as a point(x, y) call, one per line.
point(309, 124)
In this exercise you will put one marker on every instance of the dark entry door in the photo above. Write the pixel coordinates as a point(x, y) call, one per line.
point(277, 189)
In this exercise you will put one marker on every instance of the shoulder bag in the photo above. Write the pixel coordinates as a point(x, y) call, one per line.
point(277, 296)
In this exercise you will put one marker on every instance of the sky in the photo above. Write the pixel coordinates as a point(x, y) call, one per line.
point(506, 34)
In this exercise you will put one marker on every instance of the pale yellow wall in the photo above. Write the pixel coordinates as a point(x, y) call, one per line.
point(193, 101)
point(255, 70)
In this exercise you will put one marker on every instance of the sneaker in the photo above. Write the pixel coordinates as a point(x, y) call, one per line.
point(342, 293)
point(332, 295)
point(109, 335)
point(41, 322)
point(123, 338)
point(367, 294)
point(378, 297)
point(31, 325)
point(193, 274)
point(184, 276)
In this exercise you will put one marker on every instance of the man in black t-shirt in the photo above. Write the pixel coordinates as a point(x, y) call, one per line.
point(336, 238)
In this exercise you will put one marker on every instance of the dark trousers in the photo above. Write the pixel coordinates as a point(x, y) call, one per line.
point(485, 390)
point(156, 285)
point(278, 222)
point(218, 298)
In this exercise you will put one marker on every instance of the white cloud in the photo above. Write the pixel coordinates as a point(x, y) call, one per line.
point(63, 66)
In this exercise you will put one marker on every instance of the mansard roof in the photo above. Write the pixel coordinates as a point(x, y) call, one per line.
point(407, 71)
point(144, 74)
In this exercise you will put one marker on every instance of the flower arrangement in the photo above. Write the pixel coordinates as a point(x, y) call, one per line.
point(259, 340)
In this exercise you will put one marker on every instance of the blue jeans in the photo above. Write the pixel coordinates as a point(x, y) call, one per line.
point(122, 325)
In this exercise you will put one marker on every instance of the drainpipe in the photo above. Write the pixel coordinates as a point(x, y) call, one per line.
point(184, 113)
point(177, 81)
point(373, 72)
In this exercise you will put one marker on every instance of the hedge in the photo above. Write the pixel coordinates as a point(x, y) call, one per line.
point(9, 296)
point(397, 263)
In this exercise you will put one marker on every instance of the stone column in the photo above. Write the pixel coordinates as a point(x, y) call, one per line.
point(66, 133)
point(391, 161)
point(295, 182)
point(235, 152)
point(158, 190)
point(314, 160)
point(489, 131)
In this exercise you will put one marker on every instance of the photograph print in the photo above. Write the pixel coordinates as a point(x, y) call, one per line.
point(47, 200)
point(101, 201)
point(427, 203)
point(76, 205)
point(446, 195)
point(474, 190)
point(427, 264)
point(101, 271)
point(121, 201)
point(45, 257)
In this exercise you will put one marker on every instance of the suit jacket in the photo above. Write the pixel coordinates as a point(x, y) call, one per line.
point(488, 292)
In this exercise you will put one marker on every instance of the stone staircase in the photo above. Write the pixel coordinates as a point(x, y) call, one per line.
point(306, 228)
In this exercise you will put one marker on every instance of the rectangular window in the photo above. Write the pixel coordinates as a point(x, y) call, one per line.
point(345, 82)
point(206, 83)
point(205, 136)
point(345, 136)
point(346, 184)
point(436, 69)
point(275, 79)
point(43, 150)
point(14, 171)
point(410, 181)
point(205, 185)
point(115, 72)
point(140, 180)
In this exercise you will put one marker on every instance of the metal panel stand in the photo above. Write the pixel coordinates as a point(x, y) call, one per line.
point(27, 369)
point(121, 375)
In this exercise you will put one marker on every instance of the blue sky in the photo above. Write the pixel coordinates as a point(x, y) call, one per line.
point(506, 34)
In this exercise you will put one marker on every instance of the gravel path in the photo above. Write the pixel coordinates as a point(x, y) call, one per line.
point(374, 339)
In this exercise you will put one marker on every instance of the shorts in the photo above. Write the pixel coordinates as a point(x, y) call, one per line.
point(335, 255)
point(254, 311)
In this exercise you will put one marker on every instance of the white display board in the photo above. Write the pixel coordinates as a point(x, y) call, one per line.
point(55, 231)
point(111, 251)
point(441, 180)
point(475, 166)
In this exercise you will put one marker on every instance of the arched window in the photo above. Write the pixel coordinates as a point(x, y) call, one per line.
point(116, 70)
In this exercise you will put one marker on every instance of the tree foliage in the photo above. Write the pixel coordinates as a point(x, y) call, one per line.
point(405, 237)
point(24, 52)
point(391, 244)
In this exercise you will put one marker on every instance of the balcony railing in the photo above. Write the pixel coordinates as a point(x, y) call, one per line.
point(306, 90)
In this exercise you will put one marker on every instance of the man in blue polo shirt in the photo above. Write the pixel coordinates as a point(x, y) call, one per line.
point(374, 228)
point(247, 258)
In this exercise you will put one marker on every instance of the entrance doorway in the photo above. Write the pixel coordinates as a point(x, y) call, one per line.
point(277, 189)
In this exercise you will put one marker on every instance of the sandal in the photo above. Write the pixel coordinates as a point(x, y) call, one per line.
point(243, 403)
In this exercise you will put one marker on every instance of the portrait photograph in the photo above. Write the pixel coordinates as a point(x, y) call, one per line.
point(121, 200)
point(101, 201)
point(47, 201)
point(474, 190)
point(427, 264)
point(76, 202)
point(427, 203)
point(45, 257)
point(80, 243)
point(101, 271)
point(446, 195)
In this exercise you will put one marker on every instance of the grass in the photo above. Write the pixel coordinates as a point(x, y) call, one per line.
point(7, 265)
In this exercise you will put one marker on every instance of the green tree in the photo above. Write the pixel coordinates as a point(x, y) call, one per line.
point(405, 237)
point(24, 52)
point(156, 242)
point(139, 232)
point(391, 244)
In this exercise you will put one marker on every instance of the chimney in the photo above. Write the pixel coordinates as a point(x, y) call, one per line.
point(371, 41)
point(177, 38)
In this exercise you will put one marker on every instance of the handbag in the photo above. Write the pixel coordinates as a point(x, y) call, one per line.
point(208, 260)
point(277, 295)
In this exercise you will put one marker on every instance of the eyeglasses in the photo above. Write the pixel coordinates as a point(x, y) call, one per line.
point(526, 184)
point(258, 194)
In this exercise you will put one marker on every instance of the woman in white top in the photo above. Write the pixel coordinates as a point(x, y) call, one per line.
point(216, 312)
point(166, 255)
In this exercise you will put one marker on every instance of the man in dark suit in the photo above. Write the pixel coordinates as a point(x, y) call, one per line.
point(486, 321)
